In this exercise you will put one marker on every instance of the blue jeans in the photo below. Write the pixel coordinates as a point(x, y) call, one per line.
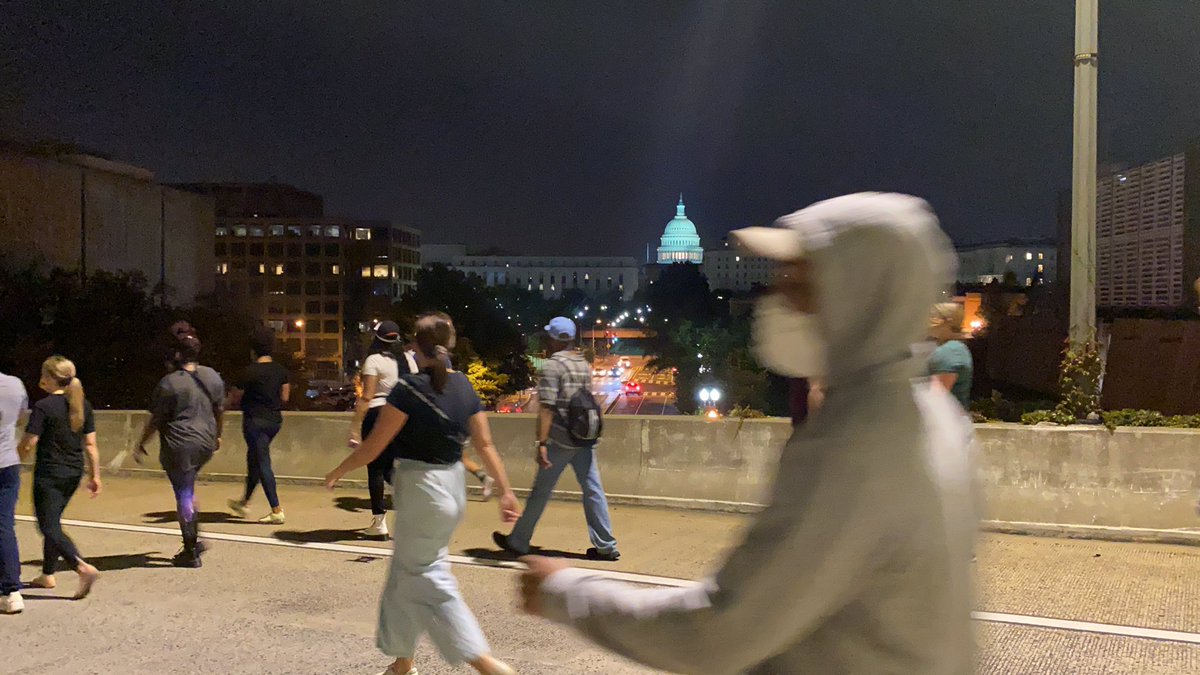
point(595, 504)
point(258, 437)
point(10, 557)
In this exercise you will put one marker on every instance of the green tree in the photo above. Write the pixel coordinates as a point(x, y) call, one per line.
point(488, 384)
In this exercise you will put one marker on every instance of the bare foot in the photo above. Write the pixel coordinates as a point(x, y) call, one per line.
point(87, 576)
point(46, 581)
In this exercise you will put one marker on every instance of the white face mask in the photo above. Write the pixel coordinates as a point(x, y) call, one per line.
point(788, 342)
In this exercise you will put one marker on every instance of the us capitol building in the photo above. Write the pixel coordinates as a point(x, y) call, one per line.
point(725, 268)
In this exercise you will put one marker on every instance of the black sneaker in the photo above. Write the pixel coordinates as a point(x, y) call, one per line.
point(186, 558)
point(501, 540)
point(607, 556)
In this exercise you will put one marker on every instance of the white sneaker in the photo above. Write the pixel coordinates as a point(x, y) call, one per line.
point(238, 507)
point(12, 603)
point(273, 518)
point(489, 487)
point(378, 527)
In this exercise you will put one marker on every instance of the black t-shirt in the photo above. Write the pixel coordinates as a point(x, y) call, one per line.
point(426, 436)
point(261, 385)
point(59, 450)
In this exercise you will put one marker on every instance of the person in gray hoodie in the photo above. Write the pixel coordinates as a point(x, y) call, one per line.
point(860, 561)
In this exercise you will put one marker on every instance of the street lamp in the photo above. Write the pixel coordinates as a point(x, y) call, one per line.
point(1083, 184)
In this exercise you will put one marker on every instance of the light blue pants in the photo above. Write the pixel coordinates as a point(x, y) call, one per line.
point(421, 594)
point(595, 504)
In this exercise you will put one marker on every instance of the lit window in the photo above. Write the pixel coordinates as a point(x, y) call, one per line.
point(262, 268)
point(239, 230)
point(279, 270)
point(366, 272)
point(381, 271)
point(333, 231)
point(1041, 256)
point(737, 258)
point(276, 230)
point(222, 268)
point(335, 269)
point(1028, 281)
point(314, 230)
point(362, 233)
point(294, 231)
point(1041, 268)
point(1029, 256)
point(222, 231)
point(256, 231)
point(1008, 259)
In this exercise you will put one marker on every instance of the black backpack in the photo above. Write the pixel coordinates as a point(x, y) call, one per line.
point(582, 418)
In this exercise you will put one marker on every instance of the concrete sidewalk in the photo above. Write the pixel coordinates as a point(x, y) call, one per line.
point(664, 542)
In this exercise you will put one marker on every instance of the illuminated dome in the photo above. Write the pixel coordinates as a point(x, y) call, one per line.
point(680, 242)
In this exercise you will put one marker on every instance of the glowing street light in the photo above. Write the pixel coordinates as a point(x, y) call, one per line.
point(299, 323)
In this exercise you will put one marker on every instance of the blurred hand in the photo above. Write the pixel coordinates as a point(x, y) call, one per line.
point(543, 457)
point(218, 445)
point(510, 510)
point(540, 569)
point(140, 454)
point(94, 486)
point(331, 479)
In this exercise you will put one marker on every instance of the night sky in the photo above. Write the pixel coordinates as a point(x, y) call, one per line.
point(570, 127)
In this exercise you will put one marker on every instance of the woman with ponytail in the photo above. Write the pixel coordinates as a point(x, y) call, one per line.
point(63, 429)
point(427, 421)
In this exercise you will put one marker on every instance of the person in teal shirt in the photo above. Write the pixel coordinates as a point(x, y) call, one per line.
point(950, 365)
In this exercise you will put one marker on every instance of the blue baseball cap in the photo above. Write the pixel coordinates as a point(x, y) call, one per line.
point(561, 328)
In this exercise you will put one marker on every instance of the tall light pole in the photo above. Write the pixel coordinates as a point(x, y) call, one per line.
point(1083, 186)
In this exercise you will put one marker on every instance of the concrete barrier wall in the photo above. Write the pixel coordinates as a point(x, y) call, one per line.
point(1075, 475)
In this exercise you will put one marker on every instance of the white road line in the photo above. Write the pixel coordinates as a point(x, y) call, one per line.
point(1154, 634)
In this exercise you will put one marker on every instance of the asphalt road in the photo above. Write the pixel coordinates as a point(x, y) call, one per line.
point(301, 598)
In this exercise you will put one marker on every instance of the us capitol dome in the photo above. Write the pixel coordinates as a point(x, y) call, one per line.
point(680, 242)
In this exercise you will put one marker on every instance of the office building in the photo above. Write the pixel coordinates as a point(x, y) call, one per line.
point(728, 269)
point(60, 208)
point(1022, 262)
point(316, 280)
point(1148, 234)
point(549, 275)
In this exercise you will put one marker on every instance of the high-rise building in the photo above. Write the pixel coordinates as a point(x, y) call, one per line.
point(59, 208)
point(1148, 233)
point(313, 278)
point(680, 243)
point(1023, 262)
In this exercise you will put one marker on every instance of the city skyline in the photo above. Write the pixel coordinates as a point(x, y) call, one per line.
point(571, 127)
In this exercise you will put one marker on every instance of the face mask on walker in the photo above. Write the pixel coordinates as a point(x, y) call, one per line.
point(788, 342)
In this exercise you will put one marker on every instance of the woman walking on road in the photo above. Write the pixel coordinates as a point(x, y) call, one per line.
point(427, 420)
point(63, 429)
point(380, 372)
point(260, 391)
point(384, 366)
point(185, 410)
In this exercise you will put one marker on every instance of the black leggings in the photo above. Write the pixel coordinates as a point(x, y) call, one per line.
point(182, 464)
point(50, 496)
point(379, 471)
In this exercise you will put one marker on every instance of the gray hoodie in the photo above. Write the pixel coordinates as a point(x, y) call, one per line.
point(861, 561)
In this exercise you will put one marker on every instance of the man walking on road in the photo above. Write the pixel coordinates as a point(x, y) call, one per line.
point(564, 389)
point(859, 562)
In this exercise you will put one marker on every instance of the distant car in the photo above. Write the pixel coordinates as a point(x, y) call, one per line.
point(633, 389)
point(600, 372)
point(625, 362)
point(616, 371)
